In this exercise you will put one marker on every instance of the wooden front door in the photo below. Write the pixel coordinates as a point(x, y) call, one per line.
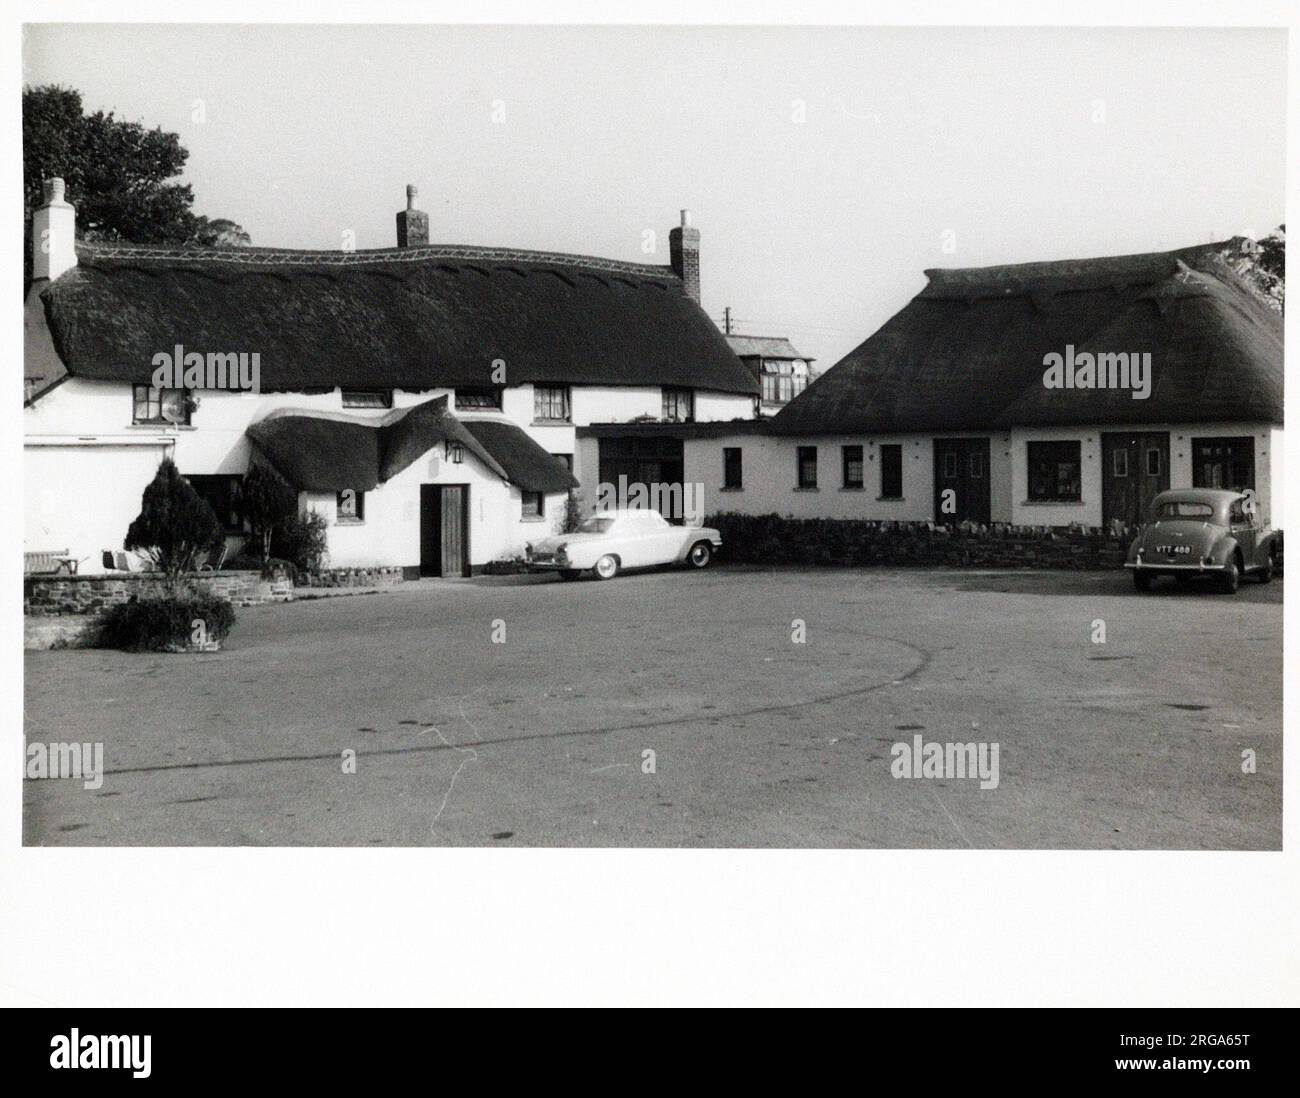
point(1134, 470)
point(444, 529)
point(961, 480)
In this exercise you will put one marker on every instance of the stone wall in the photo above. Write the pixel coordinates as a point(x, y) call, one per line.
point(60, 594)
point(351, 577)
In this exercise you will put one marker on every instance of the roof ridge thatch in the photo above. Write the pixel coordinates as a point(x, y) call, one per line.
point(1025, 278)
point(98, 251)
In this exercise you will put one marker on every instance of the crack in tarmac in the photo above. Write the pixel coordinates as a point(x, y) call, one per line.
point(473, 755)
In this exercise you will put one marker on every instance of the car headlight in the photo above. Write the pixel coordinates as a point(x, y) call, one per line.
point(561, 550)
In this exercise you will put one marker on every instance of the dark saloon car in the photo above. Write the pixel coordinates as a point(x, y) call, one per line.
point(1202, 532)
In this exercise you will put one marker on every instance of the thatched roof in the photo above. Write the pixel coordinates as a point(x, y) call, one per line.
point(412, 318)
point(330, 452)
point(524, 461)
point(42, 368)
point(967, 352)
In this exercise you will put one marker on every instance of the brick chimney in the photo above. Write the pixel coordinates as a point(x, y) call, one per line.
point(412, 224)
point(684, 254)
point(54, 233)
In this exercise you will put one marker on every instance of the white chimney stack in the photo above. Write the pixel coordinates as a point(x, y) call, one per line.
point(54, 234)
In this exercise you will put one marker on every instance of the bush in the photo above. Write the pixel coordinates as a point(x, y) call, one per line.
point(303, 541)
point(269, 504)
point(175, 525)
point(773, 539)
point(573, 515)
point(165, 623)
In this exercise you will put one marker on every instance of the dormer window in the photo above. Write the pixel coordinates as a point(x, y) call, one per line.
point(679, 405)
point(478, 398)
point(551, 404)
point(367, 398)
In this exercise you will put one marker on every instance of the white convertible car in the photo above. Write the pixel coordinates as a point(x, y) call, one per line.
point(613, 540)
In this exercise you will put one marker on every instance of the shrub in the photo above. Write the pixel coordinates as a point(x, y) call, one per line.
point(303, 541)
point(573, 515)
point(269, 503)
point(165, 623)
point(175, 525)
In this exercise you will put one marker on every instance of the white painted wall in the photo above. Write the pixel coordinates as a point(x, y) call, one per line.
point(769, 475)
point(82, 497)
point(1088, 510)
point(390, 532)
point(716, 407)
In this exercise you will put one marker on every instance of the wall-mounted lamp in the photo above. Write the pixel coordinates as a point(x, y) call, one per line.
point(453, 452)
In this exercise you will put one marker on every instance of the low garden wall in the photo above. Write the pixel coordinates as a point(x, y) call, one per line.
point(91, 594)
point(771, 539)
point(351, 577)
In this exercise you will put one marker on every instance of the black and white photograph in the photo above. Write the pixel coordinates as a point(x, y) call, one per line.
point(741, 435)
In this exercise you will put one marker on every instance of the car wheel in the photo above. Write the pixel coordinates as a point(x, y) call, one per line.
point(1141, 580)
point(700, 555)
point(606, 568)
point(1230, 577)
point(570, 573)
point(1265, 574)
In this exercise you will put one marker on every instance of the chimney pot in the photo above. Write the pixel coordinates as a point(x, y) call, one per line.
point(684, 256)
point(412, 223)
point(54, 233)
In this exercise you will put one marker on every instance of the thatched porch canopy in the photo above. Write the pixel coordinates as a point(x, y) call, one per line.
point(331, 452)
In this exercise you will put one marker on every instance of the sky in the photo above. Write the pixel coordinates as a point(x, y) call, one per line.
point(826, 168)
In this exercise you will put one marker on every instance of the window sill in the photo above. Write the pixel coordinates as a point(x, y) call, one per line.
point(1051, 503)
point(732, 488)
point(161, 425)
point(807, 488)
point(852, 488)
point(890, 499)
point(552, 423)
point(349, 522)
point(532, 518)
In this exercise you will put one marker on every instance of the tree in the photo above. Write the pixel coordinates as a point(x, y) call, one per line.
point(175, 524)
point(269, 503)
point(221, 233)
point(120, 175)
point(1262, 263)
